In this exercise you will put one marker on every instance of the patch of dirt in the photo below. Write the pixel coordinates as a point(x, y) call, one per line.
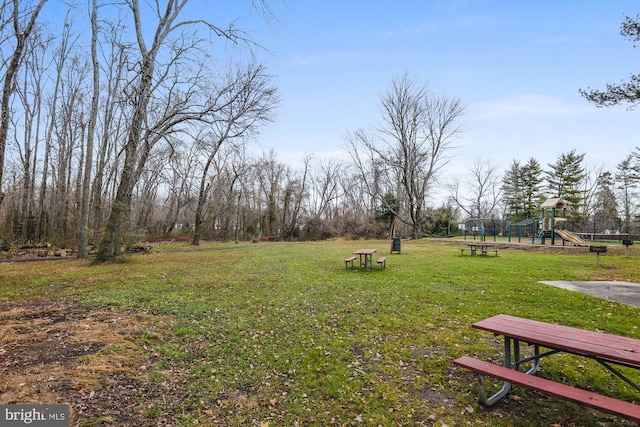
point(60, 351)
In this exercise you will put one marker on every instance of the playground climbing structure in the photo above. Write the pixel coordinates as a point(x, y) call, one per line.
point(550, 225)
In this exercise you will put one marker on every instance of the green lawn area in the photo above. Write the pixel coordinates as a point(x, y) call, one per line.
point(282, 335)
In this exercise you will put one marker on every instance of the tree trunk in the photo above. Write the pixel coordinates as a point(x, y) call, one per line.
point(111, 243)
point(86, 182)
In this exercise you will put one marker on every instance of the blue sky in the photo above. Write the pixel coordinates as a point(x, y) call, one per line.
point(516, 65)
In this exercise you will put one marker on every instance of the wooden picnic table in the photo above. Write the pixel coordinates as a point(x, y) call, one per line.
point(482, 247)
point(366, 257)
point(608, 350)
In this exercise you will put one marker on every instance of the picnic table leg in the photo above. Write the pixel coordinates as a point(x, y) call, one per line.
point(506, 386)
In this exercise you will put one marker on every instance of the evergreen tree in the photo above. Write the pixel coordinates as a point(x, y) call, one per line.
point(521, 188)
point(442, 221)
point(532, 178)
point(626, 92)
point(564, 180)
point(512, 194)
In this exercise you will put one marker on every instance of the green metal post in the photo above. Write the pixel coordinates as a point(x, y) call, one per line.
point(553, 226)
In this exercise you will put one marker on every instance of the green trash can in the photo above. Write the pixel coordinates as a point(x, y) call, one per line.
point(395, 244)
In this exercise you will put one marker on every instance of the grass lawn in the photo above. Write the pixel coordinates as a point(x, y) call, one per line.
point(282, 335)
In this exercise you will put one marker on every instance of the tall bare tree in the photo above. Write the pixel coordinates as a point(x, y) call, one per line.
point(294, 194)
point(161, 70)
point(627, 181)
point(91, 129)
point(29, 97)
point(325, 188)
point(414, 142)
point(113, 118)
point(60, 58)
point(20, 18)
point(481, 193)
point(244, 102)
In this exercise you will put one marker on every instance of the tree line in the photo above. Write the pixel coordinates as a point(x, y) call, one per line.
point(598, 200)
point(142, 128)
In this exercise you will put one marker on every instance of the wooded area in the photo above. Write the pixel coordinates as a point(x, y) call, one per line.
point(120, 134)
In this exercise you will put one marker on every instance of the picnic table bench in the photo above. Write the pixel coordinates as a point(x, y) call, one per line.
point(348, 261)
point(608, 350)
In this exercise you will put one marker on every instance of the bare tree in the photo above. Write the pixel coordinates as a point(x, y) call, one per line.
point(177, 103)
point(29, 95)
point(595, 177)
point(60, 59)
point(413, 143)
point(91, 128)
point(367, 181)
point(180, 174)
point(293, 197)
point(325, 188)
point(113, 119)
point(68, 146)
point(482, 193)
point(627, 180)
point(244, 102)
point(270, 174)
point(21, 17)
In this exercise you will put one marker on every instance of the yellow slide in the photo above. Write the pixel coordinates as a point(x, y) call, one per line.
point(567, 235)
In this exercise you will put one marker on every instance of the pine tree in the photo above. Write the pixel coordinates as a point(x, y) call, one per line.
point(626, 92)
point(512, 192)
point(532, 178)
point(564, 180)
point(521, 188)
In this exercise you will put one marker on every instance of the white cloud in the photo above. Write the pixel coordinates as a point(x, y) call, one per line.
point(525, 105)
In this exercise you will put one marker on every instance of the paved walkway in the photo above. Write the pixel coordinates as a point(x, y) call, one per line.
point(624, 292)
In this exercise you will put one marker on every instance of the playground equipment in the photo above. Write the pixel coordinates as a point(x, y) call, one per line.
point(569, 236)
point(550, 218)
point(551, 223)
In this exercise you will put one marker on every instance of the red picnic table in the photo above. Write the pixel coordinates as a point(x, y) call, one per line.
point(366, 257)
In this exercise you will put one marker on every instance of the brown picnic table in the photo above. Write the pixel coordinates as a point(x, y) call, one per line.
point(610, 351)
point(480, 249)
point(366, 257)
